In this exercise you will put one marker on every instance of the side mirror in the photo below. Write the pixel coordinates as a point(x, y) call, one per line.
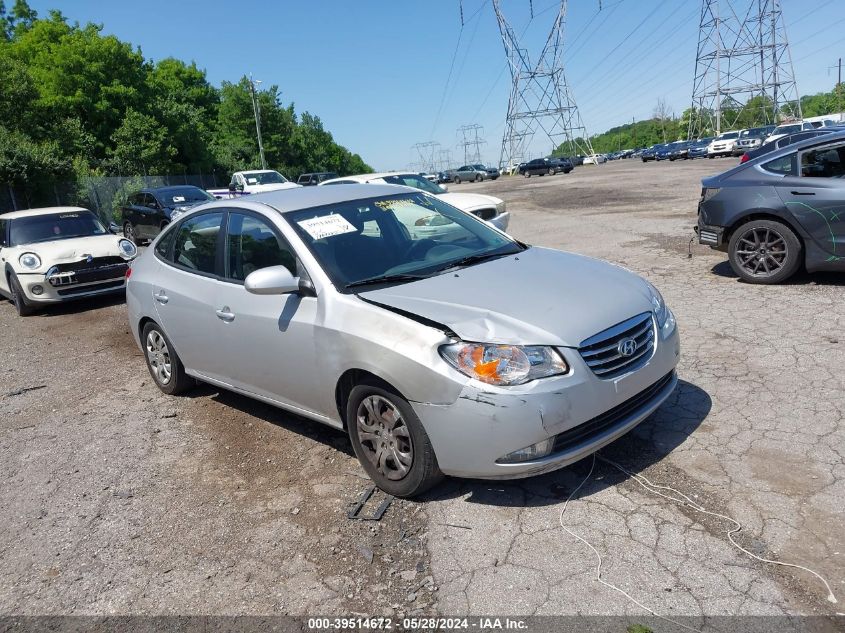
point(275, 280)
point(114, 228)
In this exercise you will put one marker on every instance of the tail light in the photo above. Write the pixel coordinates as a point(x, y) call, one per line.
point(128, 272)
point(744, 158)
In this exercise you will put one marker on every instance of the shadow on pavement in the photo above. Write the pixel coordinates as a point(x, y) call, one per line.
point(801, 278)
point(656, 437)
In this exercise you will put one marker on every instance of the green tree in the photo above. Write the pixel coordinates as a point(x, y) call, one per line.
point(141, 146)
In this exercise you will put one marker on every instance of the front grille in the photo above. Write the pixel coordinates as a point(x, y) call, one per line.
point(78, 290)
point(83, 272)
point(603, 353)
point(485, 214)
point(617, 415)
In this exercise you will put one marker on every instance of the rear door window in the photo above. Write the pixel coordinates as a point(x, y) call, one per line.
point(824, 162)
point(785, 165)
point(195, 245)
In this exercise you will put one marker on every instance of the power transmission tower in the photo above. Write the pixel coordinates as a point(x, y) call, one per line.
point(427, 154)
point(540, 98)
point(743, 68)
point(471, 143)
point(444, 159)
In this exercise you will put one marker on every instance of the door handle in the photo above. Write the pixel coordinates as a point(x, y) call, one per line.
point(161, 297)
point(802, 193)
point(225, 315)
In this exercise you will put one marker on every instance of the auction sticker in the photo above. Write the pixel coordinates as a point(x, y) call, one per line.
point(327, 226)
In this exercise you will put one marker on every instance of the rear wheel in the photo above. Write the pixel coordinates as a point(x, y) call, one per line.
point(21, 303)
point(163, 362)
point(764, 252)
point(390, 441)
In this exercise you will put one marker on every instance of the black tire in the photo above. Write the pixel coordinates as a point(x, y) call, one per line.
point(423, 472)
point(551, 172)
point(129, 233)
point(526, 174)
point(19, 300)
point(770, 247)
point(457, 180)
point(478, 178)
point(178, 380)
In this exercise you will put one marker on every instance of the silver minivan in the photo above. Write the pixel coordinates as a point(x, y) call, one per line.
point(468, 353)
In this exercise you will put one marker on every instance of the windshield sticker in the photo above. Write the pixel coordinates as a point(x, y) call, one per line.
point(252, 181)
point(178, 198)
point(69, 215)
point(391, 205)
point(327, 226)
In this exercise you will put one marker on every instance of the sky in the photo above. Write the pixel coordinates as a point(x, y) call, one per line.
point(384, 75)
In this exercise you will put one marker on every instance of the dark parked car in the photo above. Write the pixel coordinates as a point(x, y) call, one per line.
point(538, 167)
point(783, 141)
point(150, 210)
point(779, 211)
point(698, 149)
point(310, 180)
point(561, 165)
point(650, 153)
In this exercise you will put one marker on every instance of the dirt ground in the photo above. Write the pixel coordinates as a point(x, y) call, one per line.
point(120, 500)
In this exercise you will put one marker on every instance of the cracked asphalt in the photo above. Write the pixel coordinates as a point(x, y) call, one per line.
point(120, 500)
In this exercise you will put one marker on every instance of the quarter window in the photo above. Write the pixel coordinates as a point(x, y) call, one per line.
point(826, 162)
point(252, 244)
point(196, 242)
point(785, 165)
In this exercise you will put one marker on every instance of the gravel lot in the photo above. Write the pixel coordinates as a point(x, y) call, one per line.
point(119, 500)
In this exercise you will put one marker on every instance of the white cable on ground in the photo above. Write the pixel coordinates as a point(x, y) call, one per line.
point(599, 558)
point(685, 500)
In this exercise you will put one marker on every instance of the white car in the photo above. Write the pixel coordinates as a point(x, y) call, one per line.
point(785, 129)
point(724, 144)
point(595, 159)
point(255, 181)
point(58, 254)
point(493, 210)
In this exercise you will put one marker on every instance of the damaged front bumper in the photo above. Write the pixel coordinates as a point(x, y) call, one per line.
point(578, 413)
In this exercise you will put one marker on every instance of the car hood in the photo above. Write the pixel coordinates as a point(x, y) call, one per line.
point(536, 297)
point(72, 250)
point(465, 201)
point(272, 187)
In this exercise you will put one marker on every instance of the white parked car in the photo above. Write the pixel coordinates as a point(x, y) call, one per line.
point(59, 254)
point(786, 129)
point(595, 159)
point(724, 144)
point(488, 208)
point(255, 181)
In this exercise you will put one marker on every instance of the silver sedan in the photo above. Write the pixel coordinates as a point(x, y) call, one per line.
point(469, 354)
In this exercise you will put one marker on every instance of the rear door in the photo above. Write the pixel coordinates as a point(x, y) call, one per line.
point(268, 341)
point(815, 194)
point(185, 293)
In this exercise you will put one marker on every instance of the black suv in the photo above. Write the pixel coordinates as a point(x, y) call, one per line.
point(150, 210)
point(308, 180)
point(538, 167)
point(562, 165)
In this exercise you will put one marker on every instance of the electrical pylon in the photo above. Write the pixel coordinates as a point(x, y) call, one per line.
point(428, 153)
point(540, 98)
point(743, 68)
point(471, 143)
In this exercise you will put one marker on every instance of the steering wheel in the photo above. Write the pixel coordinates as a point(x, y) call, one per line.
point(419, 248)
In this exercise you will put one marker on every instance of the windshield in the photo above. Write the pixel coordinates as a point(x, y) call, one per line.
point(409, 235)
point(55, 226)
point(728, 135)
point(182, 195)
point(480, 167)
point(787, 129)
point(264, 178)
point(417, 182)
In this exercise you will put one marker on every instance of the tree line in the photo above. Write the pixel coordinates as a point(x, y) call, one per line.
point(75, 103)
point(663, 127)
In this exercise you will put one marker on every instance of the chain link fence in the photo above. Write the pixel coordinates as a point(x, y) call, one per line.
point(103, 195)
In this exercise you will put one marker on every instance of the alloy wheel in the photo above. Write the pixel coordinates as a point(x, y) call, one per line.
point(385, 437)
point(158, 356)
point(762, 252)
point(129, 232)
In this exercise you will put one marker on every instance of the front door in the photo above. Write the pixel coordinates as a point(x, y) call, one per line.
point(269, 340)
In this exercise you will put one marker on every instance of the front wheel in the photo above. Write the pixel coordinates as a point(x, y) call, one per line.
point(764, 252)
point(457, 180)
point(478, 178)
point(390, 441)
point(164, 364)
point(129, 233)
point(21, 303)
point(526, 174)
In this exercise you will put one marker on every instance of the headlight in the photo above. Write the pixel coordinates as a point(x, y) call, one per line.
point(504, 364)
point(127, 249)
point(30, 261)
point(661, 312)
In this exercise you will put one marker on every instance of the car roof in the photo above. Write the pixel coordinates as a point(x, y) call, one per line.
point(287, 200)
point(373, 176)
point(28, 213)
